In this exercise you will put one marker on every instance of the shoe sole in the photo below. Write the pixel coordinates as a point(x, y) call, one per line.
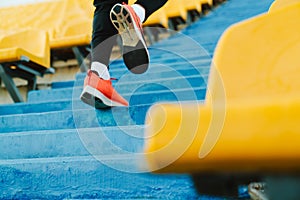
point(94, 98)
point(135, 52)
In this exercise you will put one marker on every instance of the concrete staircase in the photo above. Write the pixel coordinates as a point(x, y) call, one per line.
point(56, 147)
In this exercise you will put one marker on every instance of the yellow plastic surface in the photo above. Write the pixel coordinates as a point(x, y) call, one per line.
point(44, 15)
point(75, 28)
point(196, 4)
point(278, 4)
point(87, 7)
point(193, 5)
point(209, 2)
point(250, 120)
point(32, 44)
point(73, 34)
point(159, 17)
point(55, 17)
point(174, 8)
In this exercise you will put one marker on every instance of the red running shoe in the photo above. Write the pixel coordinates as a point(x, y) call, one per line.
point(100, 93)
point(134, 51)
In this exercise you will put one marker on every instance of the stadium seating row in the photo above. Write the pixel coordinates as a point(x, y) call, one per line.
point(60, 16)
point(67, 28)
point(249, 122)
point(38, 29)
point(177, 9)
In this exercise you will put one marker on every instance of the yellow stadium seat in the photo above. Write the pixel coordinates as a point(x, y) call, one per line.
point(75, 34)
point(193, 5)
point(24, 54)
point(250, 120)
point(49, 16)
point(208, 2)
point(175, 8)
point(68, 24)
point(43, 15)
point(87, 7)
point(28, 45)
point(74, 22)
point(176, 13)
point(172, 9)
point(278, 4)
point(158, 18)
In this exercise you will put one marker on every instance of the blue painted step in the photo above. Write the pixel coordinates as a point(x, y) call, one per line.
point(139, 97)
point(86, 116)
point(182, 67)
point(71, 142)
point(159, 72)
point(85, 177)
point(70, 119)
point(24, 108)
point(126, 88)
point(62, 84)
point(78, 117)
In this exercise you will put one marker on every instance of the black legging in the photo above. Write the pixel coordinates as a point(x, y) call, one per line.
point(104, 33)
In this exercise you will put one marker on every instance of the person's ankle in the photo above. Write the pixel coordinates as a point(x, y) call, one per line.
point(101, 70)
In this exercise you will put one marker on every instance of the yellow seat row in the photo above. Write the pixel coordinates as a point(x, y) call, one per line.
point(57, 16)
point(54, 17)
point(249, 122)
point(174, 9)
point(30, 16)
point(67, 22)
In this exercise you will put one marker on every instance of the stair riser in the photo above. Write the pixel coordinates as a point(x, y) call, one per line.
point(70, 119)
point(83, 179)
point(155, 70)
point(138, 98)
point(75, 142)
point(127, 89)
